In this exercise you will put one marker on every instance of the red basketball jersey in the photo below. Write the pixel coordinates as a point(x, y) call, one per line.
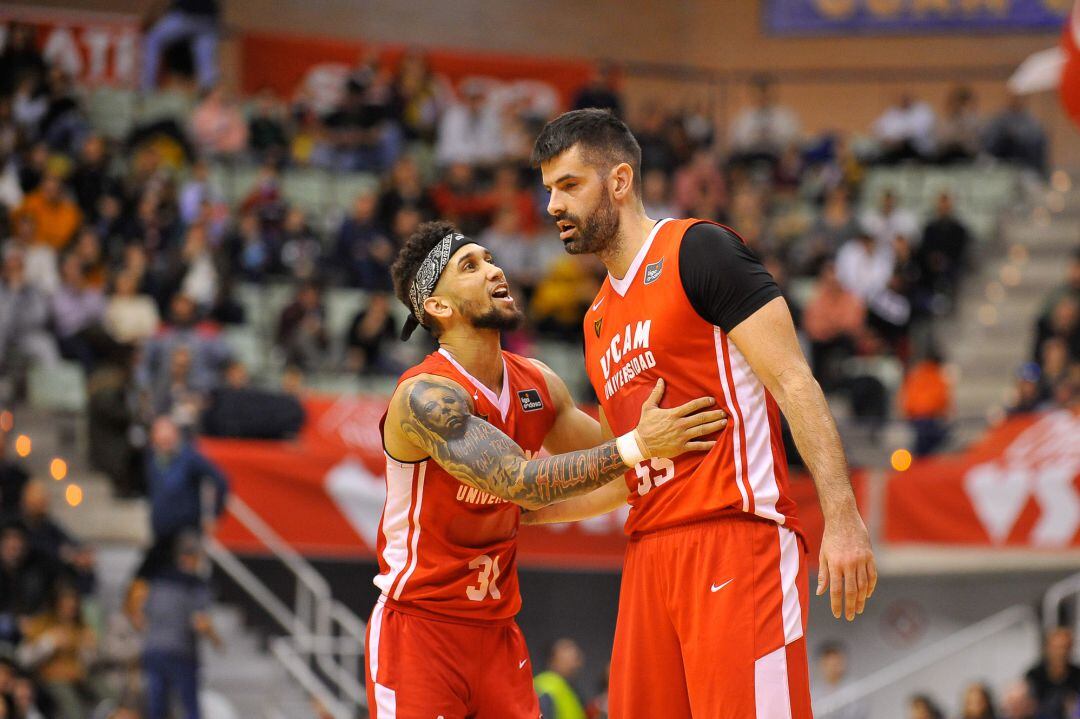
point(445, 547)
point(642, 328)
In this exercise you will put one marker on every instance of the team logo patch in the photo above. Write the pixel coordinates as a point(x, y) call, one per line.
point(652, 272)
point(596, 325)
point(530, 400)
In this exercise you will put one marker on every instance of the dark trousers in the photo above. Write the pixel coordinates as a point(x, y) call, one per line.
point(166, 674)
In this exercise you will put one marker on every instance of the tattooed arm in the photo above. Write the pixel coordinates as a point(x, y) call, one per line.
point(434, 415)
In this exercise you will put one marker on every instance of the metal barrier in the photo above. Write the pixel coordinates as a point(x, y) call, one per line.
point(996, 660)
point(324, 640)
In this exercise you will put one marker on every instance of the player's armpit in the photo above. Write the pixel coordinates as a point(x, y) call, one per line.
point(573, 429)
point(434, 414)
point(600, 501)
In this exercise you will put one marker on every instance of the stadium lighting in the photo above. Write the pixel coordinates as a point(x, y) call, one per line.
point(901, 460)
point(58, 469)
point(22, 445)
point(74, 495)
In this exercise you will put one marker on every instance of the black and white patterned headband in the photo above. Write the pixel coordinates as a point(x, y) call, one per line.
point(427, 276)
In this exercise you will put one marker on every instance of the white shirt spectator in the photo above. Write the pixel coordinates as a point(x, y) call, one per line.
point(909, 120)
point(864, 268)
point(771, 129)
point(884, 225)
point(470, 132)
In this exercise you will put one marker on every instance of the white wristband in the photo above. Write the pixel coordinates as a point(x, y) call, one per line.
point(629, 448)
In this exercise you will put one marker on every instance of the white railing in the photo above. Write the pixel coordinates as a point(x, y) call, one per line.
point(987, 650)
point(324, 640)
point(1055, 596)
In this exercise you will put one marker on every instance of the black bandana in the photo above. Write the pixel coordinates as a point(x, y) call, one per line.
point(427, 276)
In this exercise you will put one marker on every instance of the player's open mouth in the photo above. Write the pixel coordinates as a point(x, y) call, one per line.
point(566, 229)
point(502, 292)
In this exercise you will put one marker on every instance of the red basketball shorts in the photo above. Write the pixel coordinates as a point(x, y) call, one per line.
point(424, 668)
point(712, 622)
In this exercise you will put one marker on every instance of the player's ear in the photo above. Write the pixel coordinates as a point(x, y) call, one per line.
point(622, 180)
point(436, 306)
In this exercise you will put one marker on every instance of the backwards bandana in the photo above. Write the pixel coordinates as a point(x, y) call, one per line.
point(427, 276)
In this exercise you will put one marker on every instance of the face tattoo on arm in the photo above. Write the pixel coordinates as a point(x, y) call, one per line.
point(436, 418)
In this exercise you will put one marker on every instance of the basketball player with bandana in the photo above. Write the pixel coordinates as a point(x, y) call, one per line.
point(712, 610)
point(462, 438)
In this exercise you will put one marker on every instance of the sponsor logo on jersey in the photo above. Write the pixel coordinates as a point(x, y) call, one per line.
point(596, 325)
point(652, 272)
point(627, 356)
point(530, 400)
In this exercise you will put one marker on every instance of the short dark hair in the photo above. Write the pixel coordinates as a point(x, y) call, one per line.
point(604, 140)
point(830, 647)
point(408, 261)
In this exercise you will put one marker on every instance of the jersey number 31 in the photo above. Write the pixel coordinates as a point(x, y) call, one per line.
point(485, 582)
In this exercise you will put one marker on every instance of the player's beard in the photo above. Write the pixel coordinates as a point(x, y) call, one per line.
point(492, 318)
point(599, 230)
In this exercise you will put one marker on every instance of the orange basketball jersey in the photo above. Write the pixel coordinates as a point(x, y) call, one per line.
point(446, 548)
point(643, 327)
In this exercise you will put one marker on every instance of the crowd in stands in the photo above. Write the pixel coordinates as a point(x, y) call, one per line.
point(1052, 376)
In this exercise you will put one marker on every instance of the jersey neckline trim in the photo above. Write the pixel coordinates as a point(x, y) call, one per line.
point(502, 402)
point(622, 285)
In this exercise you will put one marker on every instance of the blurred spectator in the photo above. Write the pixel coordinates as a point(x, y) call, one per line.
point(175, 475)
point(600, 92)
point(1015, 135)
point(209, 352)
point(301, 248)
point(77, 314)
point(20, 61)
point(177, 615)
point(122, 644)
point(267, 135)
point(699, 189)
point(905, 131)
point(926, 403)
point(651, 131)
point(864, 267)
point(111, 416)
point(419, 95)
point(521, 256)
point(197, 192)
point(24, 697)
point(237, 409)
point(24, 317)
point(49, 539)
point(27, 579)
point(656, 195)
point(265, 198)
point(405, 188)
point(192, 21)
point(835, 225)
point(506, 192)
point(959, 130)
point(41, 267)
point(362, 252)
point(1063, 323)
point(889, 220)
point(197, 268)
point(561, 297)
point(360, 134)
point(978, 703)
point(1029, 394)
point(56, 217)
point(61, 647)
point(1018, 702)
point(942, 254)
point(921, 706)
point(371, 330)
point(87, 249)
point(130, 317)
point(251, 250)
point(301, 330)
point(13, 479)
point(457, 196)
point(218, 127)
point(1055, 680)
point(558, 697)
point(176, 394)
point(833, 320)
point(765, 129)
point(470, 130)
point(91, 179)
point(832, 672)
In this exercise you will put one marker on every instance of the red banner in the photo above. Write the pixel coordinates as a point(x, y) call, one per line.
point(94, 48)
point(324, 492)
point(1019, 486)
point(318, 66)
